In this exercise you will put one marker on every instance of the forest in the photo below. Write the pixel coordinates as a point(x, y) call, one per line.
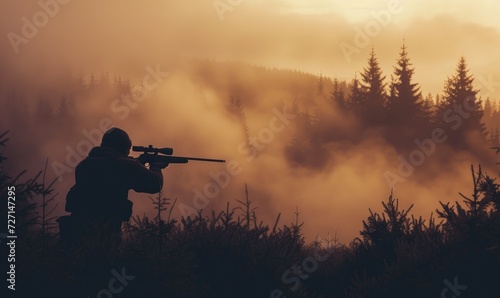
point(229, 249)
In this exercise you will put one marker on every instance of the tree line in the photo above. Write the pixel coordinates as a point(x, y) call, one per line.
point(397, 111)
point(401, 103)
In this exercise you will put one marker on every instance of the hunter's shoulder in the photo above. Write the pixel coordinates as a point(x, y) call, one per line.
point(129, 161)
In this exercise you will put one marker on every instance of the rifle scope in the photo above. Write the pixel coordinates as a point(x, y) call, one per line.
point(151, 149)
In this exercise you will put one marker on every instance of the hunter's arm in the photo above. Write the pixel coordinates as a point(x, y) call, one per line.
point(143, 179)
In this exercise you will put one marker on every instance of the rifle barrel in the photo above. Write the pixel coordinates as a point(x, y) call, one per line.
point(201, 159)
point(176, 159)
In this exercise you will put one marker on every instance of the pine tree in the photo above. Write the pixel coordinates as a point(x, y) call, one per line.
point(321, 85)
point(488, 111)
point(373, 90)
point(495, 115)
point(62, 109)
point(429, 106)
point(494, 107)
point(392, 99)
point(405, 105)
point(495, 137)
point(117, 81)
point(488, 108)
point(356, 96)
point(337, 96)
point(78, 85)
point(104, 81)
point(460, 100)
point(125, 87)
point(92, 83)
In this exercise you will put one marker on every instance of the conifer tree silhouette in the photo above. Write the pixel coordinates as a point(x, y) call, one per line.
point(372, 108)
point(62, 111)
point(461, 98)
point(92, 83)
point(428, 107)
point(356, 93)
point(404, 106)
point(488, 108)
point(321, 85)
point(338, 95)
point(495, 137)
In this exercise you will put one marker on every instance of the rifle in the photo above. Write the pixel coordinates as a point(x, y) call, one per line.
point(151, 154)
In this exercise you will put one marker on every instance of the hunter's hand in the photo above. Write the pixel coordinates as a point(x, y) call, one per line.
point(142, 159)
point(158, 166)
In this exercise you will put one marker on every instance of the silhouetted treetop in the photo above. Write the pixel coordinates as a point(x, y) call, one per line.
point(460, 96)
point(373, 92)
point(405, 104)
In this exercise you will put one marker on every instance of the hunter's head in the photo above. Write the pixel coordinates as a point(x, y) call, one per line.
point(117, 139)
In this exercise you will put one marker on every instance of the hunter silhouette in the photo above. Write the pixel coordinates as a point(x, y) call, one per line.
point(98, 201)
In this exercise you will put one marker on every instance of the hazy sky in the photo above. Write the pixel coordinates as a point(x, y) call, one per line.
point(113, 35)
point(482, 12)
point(416, 19)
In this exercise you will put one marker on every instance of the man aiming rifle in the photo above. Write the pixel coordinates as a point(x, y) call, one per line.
point(98, 201)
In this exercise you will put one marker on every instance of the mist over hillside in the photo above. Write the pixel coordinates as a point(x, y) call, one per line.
point(283, 132)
